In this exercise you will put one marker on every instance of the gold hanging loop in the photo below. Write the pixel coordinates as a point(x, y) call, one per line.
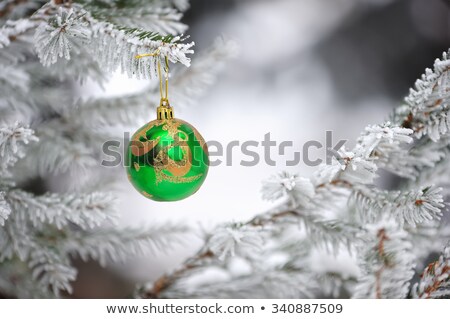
point(164, 111)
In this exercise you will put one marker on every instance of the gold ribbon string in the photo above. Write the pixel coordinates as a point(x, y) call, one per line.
point(162, 89)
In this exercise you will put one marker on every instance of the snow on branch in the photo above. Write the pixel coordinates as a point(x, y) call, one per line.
point(154, 16)
point(413, 162)
point(229, 240)
point(118, 47)
point(5, 209)
point(298, 190)
point(330, 234)
point(411, 207)
point(59, 154)
point(12, 141)
point(274, 283)
point(180, 5)
point(52, 270)
point(378, 141)
point(188, 85)
point(87, 211)
point(63, 34)
point(435, 280)
point(11, 30)
point(386, 261)
point(68, 30)
point(431, 87)
point(116, 245)
point(427, 109)
point(359, 166)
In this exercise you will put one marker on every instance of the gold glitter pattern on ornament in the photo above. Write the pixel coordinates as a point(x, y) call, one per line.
point(146, 194)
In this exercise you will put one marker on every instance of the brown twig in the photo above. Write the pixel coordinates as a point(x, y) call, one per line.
point(63, 2)
point(382, 237)
point(437, 280)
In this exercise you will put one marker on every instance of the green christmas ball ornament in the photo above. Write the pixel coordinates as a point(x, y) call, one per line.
point(167, 159)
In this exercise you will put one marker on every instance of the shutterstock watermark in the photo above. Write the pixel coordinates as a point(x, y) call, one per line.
point(255, 152)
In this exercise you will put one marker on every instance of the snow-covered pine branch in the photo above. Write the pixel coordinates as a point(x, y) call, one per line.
point(359, 166)
point(229, 240)
point(12, 141)
point(187, 85)
point(413, 207)
point(86, 211)
point(60, 154)
point(299, 198)
point(428, 102)
point(52, 270)
point(69, 29)
point(151, 15)
point(435, 279)
point(41, 233)
point(45, 231)
point(12, 30)
point(298, 191)
point(276, 283)
point(108, 245)
point(5, 209)
point(32, 214)
point(386, 261)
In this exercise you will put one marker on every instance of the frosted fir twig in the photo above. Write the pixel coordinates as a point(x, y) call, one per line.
point(70, 28)
point(424, 95)
point(64, 34)
point(435, 279)
point(58, 154)
point(413, 207)
point(87, 211)
point(277, 283)
point(227, 240)
point(51, 269)
point(99, 6)
point(117, 48)
point(12, 141)
point(420, 158)
point(387, 263)
point(116, 245)
point(5, 209)
point(187, 85)
point(298, 190)
point(150, 16)
point(427, 106)
point(12, 30)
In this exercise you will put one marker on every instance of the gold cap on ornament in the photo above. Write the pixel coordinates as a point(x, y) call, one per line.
point(164, 110)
